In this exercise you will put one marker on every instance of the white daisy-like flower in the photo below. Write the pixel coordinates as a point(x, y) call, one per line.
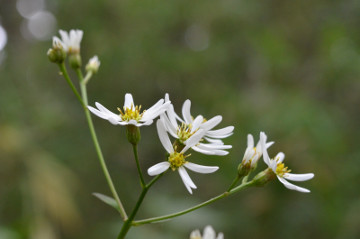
point(130, 114)
point(176, 160)
point(189, 125)
point(93, 64)
point(253, 154)
point(209, 233)
point(72, 40)
point(283, 173)
point(58, 44)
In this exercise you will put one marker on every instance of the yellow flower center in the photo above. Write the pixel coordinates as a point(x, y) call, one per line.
point(281, 169)
point(177, 160)
point(132, 113)
point(184, 132)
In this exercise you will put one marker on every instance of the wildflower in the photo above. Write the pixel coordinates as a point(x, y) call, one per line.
point(130, 114)
point(188, 126)
point(93, 65)
point(177, 160)
point(72, 40)
point(209, 233)
point(283, 173)
point(57, 53)
point(252, 154)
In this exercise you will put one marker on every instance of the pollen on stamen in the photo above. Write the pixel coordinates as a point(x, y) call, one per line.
point(184, 132)
point(177, 160)
point(131, 113)
point(281, 169)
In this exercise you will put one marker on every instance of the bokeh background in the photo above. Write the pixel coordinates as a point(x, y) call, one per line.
point(289, 68)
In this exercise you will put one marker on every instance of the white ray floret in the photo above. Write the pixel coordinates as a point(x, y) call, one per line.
point(176, 160)
point(209, 233)
point(72, 40)
point(130, 114)
point(283, 173)
point(253, 154)
point(182, 129)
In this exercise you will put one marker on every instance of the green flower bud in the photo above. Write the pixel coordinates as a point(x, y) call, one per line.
point(133, 134)
point(264, 177)
point(56, 55)
point(75, 61)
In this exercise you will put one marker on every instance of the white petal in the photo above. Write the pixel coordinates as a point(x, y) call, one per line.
point(292, 186)
point(186, 179)
point(164, 138)
point(298, 177)
point(197, 122)
point(186, 111)
point(168, 125)
point(98, 113)
point(128, 101)
point(203, 151)
point(215, 146)
point(200, 168)
point(220, 236)
point(195, 234)
point(221, 133)
point(214, 141)
point(155, 110)
point(250, 141)
point(268, 144)
point(280, 157)
point(211, 123)
point(158, 168)
point(209, 233)
point(263, 148)
point(193, 140)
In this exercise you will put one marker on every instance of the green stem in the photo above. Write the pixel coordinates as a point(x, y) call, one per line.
point(138, 165)
point(129, 222)
point(67, 78)
point(97, 146)
point(214, 199)
point(234, 182)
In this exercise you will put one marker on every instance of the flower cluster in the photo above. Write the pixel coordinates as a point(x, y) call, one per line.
point(189, 133)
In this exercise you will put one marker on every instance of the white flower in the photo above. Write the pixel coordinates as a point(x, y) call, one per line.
point(72, 40)
point(93, 64)
point(58, 44)
point(253, 154)
point(209, 233)
point(283, 173)
point(176, 160)
point(189, 125)
point(130, 114)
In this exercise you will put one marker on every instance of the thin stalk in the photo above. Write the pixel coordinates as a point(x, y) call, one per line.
point(214, 199)
point(68, 80)
point(129, 222)
point(138, 165)
point(97, 147)
point(234, 182)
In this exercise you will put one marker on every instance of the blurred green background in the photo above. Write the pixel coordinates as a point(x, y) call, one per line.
point(289, 68)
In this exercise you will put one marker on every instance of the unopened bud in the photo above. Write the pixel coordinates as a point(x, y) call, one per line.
point(56, 55)
point(133, 134)
point(93, 65)
point(244, 169)
point(75, 60)
point(264, 177)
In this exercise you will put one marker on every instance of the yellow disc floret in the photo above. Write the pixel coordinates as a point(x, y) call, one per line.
point(132, 113)
point(281, 169)
point(184, 132)
point(177, 160)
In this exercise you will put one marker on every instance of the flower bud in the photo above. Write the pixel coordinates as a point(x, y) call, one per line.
point(93, 65)
point(244, 169)
point(75, 61)
point(56, 55)
point(263, 177)
point(133, 134)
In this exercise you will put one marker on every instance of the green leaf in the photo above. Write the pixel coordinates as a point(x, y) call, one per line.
point(108, 200)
